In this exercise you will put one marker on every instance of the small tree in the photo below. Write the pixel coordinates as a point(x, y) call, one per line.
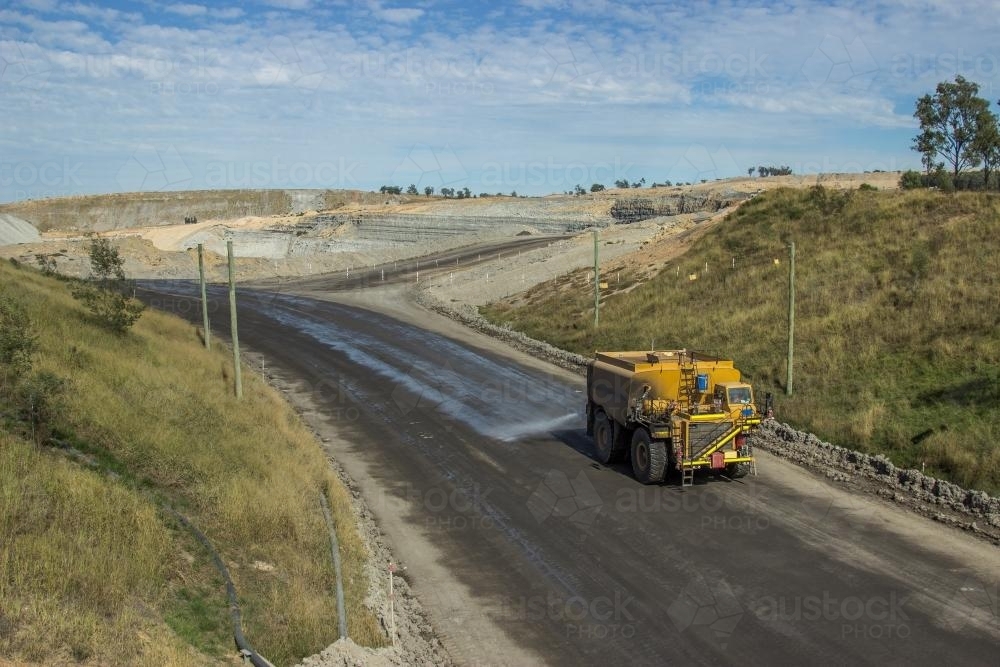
point(949, 123)
point(107, 291)
point(18, 341)
point(986, 144)
point(596, 187)
point(428, 191)
point(106, 263)
point(412, 190)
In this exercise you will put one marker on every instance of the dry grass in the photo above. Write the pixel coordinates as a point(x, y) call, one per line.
point(91, 569)
point(897, 314)
point(82, 562)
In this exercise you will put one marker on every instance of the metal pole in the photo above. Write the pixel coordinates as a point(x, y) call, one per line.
point(204, 299)
point(237, 371)
point(597, 285)
point(791, 315)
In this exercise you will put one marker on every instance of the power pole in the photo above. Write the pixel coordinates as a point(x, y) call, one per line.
point(204, 300)
point(597, 285)
point(237, 372)
point(791, 315)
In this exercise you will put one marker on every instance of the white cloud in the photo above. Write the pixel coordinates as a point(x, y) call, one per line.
point(847, 108)
point(538, 5)
point(227, 13)
point(639, 86)
point(39, 5)
point(395, 15)
point(297, 5)
point(92, 12)
point(400, 15)
point(186, 9)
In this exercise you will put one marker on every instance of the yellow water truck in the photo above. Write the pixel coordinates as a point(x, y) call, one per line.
point(671, 409)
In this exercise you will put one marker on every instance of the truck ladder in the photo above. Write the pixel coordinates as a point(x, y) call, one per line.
point(688, 381)
point(687, 472)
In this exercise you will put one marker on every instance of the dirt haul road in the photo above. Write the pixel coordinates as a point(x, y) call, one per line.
point(524, 550)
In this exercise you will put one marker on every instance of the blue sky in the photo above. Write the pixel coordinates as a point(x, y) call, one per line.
point(534, 96)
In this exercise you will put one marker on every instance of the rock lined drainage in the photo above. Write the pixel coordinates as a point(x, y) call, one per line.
point(975, 511)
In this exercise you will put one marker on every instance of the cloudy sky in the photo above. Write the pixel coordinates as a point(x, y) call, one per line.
point(534, 96)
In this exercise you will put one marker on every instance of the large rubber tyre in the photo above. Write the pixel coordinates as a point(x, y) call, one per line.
point(609, 449)
point(620, 438)
point(649, 459)
point(737, 470)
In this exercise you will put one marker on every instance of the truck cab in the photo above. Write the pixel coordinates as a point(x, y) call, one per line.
point(736, 398)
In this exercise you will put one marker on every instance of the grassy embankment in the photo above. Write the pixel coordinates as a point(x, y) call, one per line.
point(91, 568)
point(897, 318)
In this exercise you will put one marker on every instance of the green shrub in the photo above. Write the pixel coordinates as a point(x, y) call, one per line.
point(942, 180)
point(911, 180)
point(115, 310)
point(106, 294)
point(17, 340)
point(39, 399)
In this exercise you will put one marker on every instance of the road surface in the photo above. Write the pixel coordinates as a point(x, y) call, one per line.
point(524, 549)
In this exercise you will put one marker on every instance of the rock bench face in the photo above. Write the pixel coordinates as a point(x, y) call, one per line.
point(14, 230)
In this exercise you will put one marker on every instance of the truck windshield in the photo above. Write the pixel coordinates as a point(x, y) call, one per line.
point(739, 395)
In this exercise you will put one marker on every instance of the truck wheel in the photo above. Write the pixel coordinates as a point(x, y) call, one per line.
point(610, 449)
point(620, 441)
point(737, 470)
point(649, 459)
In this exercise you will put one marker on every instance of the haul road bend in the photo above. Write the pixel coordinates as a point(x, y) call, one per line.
point(522, 548)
